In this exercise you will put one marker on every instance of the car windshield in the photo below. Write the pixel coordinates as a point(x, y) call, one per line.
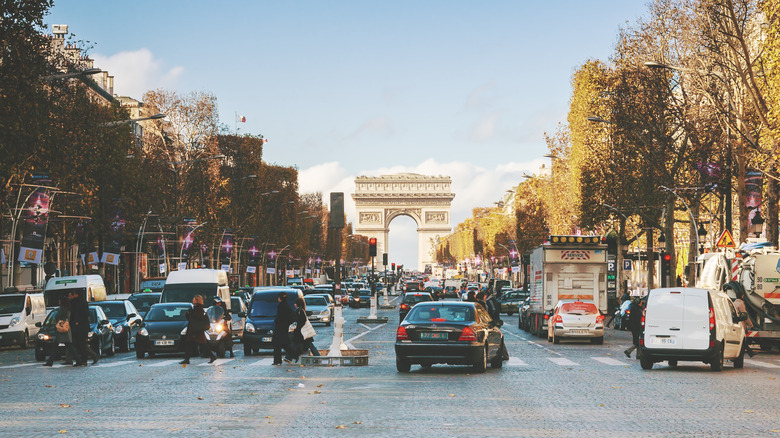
point(185, 292)
point(315, 301)
point(215, 313)
point(168, 313)
point(264, 305)
point(235, 305)
point(579, 309)
point(51, 319)
point(114, 310)
point(423, 313)
point(92, 315)
point(144, 302)
point(416, 298)
point(11, 304)
point(365, 292)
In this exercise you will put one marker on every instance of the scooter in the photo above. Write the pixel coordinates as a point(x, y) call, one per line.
point(218, 333)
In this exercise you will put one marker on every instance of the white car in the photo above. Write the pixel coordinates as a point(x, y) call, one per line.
point(691, 324)
point(576, 320)
point(319, 308)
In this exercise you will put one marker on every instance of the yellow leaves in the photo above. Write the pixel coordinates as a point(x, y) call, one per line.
point(341, 426)
point(63, 405)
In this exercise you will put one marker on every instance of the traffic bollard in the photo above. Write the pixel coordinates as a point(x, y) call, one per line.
point(372, 314)
point(338, 333)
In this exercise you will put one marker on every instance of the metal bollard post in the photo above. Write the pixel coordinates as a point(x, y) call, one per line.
point(372, 314)
point(384, 298)
point(338, 334)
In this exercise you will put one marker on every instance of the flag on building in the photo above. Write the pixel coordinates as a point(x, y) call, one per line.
point(241, 119)
point(113, 246)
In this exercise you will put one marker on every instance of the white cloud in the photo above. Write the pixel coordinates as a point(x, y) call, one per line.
point(136, 72)
point(376, 124)
point(485, 127)
point(478, 97)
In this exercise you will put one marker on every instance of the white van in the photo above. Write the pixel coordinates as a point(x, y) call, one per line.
point(182, 286)
point(691, 324)
point(89, 286)
point(18, 315)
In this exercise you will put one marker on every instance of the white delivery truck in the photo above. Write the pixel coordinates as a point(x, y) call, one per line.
point(182, 286)
point(568, 268)
point(89, 286)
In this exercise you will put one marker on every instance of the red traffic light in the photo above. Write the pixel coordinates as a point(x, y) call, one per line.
point(372, 247)
point(667, 257)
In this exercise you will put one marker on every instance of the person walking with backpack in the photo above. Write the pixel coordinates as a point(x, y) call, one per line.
point(197, 324)
point(63, 336)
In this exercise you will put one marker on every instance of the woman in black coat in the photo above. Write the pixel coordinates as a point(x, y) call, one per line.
point(197, 324)
point(281, 336)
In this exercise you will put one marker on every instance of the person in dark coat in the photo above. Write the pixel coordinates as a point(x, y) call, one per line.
point(63, 314)
point(635, 323)
point(197, 324)
point(79, 326)
point(281, 336)
point(298, 342)
point(493, 308)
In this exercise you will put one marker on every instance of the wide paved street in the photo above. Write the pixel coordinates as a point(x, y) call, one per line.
point(571, 389)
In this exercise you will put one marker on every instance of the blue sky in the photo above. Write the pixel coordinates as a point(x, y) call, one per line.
point(348, 88)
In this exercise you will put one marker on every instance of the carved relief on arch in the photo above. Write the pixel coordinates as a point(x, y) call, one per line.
point(436, 217)
point(370, 217)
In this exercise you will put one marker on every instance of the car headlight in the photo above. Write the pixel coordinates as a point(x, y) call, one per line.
point(14, 321)
point(118, 329)
point(249, 327)
point(270, 332)
point(43, 336)
point(325, 312)
point(143, 332)
point(184, 331)
point(90, 334)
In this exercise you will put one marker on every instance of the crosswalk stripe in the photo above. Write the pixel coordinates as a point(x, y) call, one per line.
point(758, 363)
point(163, 363)
point(217, 362)
point(261, 362)
point(562, 361)
point(19, 365)
point(114, 364)
point(515, 362)
point(609, 361)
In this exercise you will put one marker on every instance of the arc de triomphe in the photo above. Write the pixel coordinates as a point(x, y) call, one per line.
point(426, 199)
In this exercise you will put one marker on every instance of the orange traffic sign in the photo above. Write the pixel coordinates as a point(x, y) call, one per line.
point(726, 240)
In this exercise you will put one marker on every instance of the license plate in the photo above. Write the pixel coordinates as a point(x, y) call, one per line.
point(266, 339)
point(578, 331)
point(165, 342)
point(664, 341)
point(436, 336)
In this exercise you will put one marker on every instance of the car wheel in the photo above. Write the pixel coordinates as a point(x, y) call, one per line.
point(498, 361)
point(40, 354)
point(739, 361)
point(481, 364)
point(402, 365)
point(151, 354)
point(247, 349)
point(597, 341)
point(25, 340)
point(139, 354)
point(111, 349)
point(327, 324)
point(221, 349)
point(717, 360)
point(556, 339)
point(672, 363)
point(646, 363)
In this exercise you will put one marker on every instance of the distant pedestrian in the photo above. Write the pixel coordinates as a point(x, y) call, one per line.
point(635, 323)
point(739, 306)
point(471, 297)
point(281, 336)
point(480, 298)
point(493, 308)
point(63, 335)
point(197, 324)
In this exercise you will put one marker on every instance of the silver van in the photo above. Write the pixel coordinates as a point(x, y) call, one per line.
point(18, 315)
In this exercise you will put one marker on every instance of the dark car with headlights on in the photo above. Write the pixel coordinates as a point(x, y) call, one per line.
point(100, 336)
point(259, 328)
point(511, 300)
point(144, 301)
point(409, 299)
point(363, 298)
point(450, 332)
point(125, 320)
point(162, 329)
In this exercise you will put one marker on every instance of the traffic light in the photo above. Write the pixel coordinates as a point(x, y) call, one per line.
point(372, 247)
point(666, 270)
point(393, 265)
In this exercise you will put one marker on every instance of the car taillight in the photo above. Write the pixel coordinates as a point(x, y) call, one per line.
point(712, 319)
point(401, 335)
point(642, 321)
point(599, 318)
point(404, 306)
point(467, 335)
point(558, 318)
point(546, 316)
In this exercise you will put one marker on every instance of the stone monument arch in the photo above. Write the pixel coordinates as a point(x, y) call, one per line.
point(426, 199)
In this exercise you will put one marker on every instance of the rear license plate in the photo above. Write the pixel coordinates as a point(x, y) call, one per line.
point(266, 340)
point(434, 336)
point(165, 342)
point(664, 341)
point(578, 331)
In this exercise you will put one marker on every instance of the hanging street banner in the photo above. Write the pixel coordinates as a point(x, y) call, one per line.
point(226, 249)
point(754, 182)
point(36, 219)
point(514, 258)
point(188, 238)
point(113, 246)
point(253, 252)
point(270, 263)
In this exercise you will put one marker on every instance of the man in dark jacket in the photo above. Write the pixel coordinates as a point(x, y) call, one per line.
point(281, 336)
point(79, 325)
point(635, 323)
point(197, 324)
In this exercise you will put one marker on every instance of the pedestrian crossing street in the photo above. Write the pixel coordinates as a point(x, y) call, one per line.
point(514, 362)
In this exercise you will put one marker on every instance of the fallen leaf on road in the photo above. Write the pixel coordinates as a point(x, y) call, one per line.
point(341, 426)
point(318, 392)
point(49, 386)
point(63, 431)
point(303, 377)
point(268, 416)
point(220, 404)
point(40, 409)
point(319, 386)
point(357, 422)
point(184, 365)
point(601, 404)
point(616, 387)
point(748, 411)
point(200, 398)
point(452, 395)
point(63, 405)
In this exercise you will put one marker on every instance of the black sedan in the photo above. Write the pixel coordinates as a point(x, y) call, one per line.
point(125, 320)
point(408, 301)
point(455, 333)
point(363, 298)
point(100, 337)
point(162, 328)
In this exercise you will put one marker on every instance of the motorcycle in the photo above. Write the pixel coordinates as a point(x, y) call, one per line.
point(218, 333)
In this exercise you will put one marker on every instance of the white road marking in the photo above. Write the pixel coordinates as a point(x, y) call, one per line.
point(163, 363)
point(21, 365)
point(365, 333)
point(562, 361)
point(609, 361)
point(262, 362)
point(113, 364)
point(216, 362)
point(515, 362)
point(758, 363)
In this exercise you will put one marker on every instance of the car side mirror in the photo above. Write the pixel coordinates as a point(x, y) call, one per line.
point(104, 322)
point(28, 310)
point(242, 314)
point(39, 324)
